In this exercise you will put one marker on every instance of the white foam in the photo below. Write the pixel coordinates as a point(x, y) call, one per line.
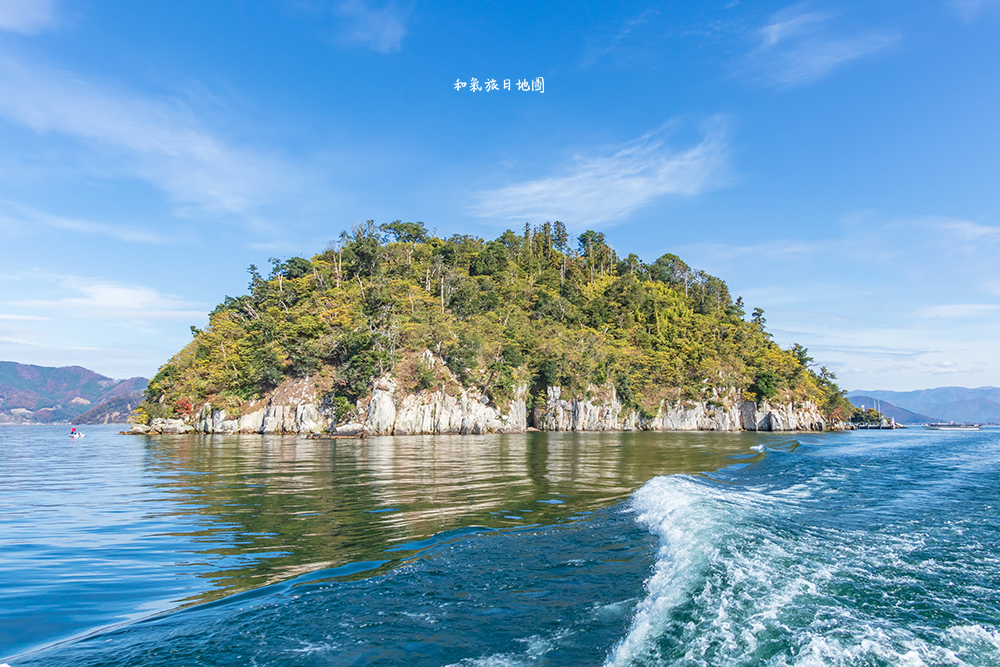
point(741, 579)
point(535, 646)
point(498, 660)
point(673, 509)
point(972, 634)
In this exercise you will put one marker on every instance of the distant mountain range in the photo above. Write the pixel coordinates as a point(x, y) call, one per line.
point(957, 404)
point(44, 394)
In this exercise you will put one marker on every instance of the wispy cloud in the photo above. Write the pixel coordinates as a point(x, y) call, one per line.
point(874, 289)
point(24, 318)
point(380, 28)
point(615, 44)
point(18, 216)
point(27, 16)
point(870, 238)
point(87, 298)
point(601, 188)
point(160, 140)
point(970, 10)
point(958, 310)
point(799, 46)
point(965, 230)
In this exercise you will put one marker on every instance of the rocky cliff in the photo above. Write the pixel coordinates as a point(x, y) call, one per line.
point(724, 412)
point(294, 407)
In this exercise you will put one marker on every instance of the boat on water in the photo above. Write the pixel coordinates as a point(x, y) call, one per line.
point(953, 426)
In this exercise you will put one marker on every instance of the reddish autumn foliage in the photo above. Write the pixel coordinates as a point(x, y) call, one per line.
point(182, 406)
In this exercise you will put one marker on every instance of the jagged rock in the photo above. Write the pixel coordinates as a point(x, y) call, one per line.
point(781, 417)
point(381, 415)
point(697, 416)
point(274, 419)
point(251, 422)
point(353, 428)
point(439, 412)
point(170, 426)
point(205, 422)
point(577, 415)
point(139, 429)
point(222, 425)
point(308, 419)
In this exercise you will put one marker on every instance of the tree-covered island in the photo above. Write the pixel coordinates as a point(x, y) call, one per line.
point(392, 327)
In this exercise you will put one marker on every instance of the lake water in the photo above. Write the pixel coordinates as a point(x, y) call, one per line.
point(864, 548)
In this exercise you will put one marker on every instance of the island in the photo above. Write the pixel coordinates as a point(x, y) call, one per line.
point(392, 330)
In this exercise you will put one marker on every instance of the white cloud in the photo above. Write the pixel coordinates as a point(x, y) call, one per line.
point(602, 188)
point(96, 299)
point(380, 28)
point(159, 140)
point(958, 310)
point(27, 16)
point(799, 46)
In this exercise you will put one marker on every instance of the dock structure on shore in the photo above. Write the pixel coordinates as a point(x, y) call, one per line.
point(882, 424)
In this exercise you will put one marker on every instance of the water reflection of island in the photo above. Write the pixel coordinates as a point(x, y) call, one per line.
point(275, 507)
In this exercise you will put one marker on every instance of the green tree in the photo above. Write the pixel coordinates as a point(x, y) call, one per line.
point(490, 261)
point(406, 232)
point(765, 385)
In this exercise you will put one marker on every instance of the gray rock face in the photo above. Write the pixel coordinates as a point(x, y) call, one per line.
point(251, 422)
point(308, 418)
point(294, 408)
point(724, 412)
point(781, 417)
point(430, 412)
point(559, 414)
point(381, 413)
point(172, 426)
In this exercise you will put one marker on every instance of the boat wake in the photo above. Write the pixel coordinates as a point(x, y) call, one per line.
point(817, 573)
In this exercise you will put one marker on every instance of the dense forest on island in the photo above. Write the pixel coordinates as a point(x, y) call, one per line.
point(528, 309)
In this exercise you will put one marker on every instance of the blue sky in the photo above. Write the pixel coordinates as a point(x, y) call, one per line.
point(838, 164)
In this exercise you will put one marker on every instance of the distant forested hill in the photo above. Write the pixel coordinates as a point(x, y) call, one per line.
point(959, 404)
point(114, 411)
point(43, 394)
point(901, 415)
point(532, 309)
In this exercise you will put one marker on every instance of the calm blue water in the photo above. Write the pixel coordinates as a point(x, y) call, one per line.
point(867, 548)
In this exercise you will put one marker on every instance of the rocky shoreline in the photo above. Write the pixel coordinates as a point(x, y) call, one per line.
point(294, 408)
